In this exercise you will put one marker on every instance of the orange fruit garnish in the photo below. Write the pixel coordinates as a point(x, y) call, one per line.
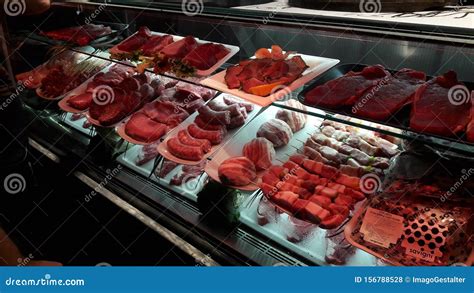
point(277, 53)
point(265, 89)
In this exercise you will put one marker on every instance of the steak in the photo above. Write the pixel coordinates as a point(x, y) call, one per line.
point(435, 112)
point(205, 56)
point(142, 128)
point(346, 89)
point(81, 102)
point(390, 95)
point(155, 44)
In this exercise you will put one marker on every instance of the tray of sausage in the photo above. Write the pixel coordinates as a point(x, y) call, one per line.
point(206, 130)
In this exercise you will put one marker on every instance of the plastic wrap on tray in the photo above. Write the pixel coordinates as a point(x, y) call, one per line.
point(414, 231)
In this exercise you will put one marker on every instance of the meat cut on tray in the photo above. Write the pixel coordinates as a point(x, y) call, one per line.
point(347, 89)
point(113, 77)
point(165, 53)
point(81, 35)
point(390, 95)
point(209, 128)
point(436, 110)
point(113, 104)
point(268, 72)
point(158, 117)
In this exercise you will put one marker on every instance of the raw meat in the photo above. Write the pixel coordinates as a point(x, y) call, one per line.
point(142, 128)
point(295, 120)
point(238, 171)
point(205, 56)
point(390, 95)
point(80, 102)
point(434, 111)
point(166, 167)
point(155, 44)
point(189, 172)
point(81, 35)
point(146, 154)
point(276, 131)
point(260, 151)
point(135, 42)
point(346, 89)
point(185, 152)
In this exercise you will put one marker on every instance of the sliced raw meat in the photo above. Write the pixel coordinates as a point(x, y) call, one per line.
point(179, 49)
point(187, 92)
point(434, 111)
point(146, 154)
point(276, 131)
point(231, 78)
point(238, 171)
point(189, 172)
point(260, 151)
point(390, 95)
point(166, 167)
point(155, 44)
point(230, 101)
point(135, 42)
point(80, 102)
point(166, 112)
point(205, 56)
point(142, 128)
point(346, 89)
point(294, 119)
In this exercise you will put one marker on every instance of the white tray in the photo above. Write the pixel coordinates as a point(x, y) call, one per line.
point(200, 73)
point(317, 66)
point(234, 147)
point(313, 247)
point(77, 124)
point(163, 148)
point(189, 190)
point(77, 91)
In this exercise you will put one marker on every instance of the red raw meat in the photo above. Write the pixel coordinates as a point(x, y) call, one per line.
point(346, 89)
point(189, 172)
point(186, 92)
point(166, 112)
point(231, 78)
point(142, 128)
point(205, 56)
point(135, 42)
point(390, 95)
point(179, 49)
point(166, 167)
point(434, 111)
point(155, 44)
point(81, 102)
point(81, 35)
point(146, 154)
point(470, 126)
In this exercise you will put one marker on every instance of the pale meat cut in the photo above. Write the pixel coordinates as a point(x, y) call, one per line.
point(435, 112)
point(260, 151)
point(238, 171)
point(345, 90)
point(390, 95)
point(276, 131)
point(294, 119)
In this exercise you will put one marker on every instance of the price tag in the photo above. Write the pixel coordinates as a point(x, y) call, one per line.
point(381, 228)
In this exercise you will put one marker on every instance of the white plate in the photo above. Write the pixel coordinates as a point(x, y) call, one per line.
point(163, 149)
point(234, 147)
point(77, 124)
point(200, 73)
point(189, 190)
point(77, 91)
point(317, 66)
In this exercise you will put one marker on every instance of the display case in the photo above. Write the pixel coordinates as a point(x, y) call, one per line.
point(185, 196)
